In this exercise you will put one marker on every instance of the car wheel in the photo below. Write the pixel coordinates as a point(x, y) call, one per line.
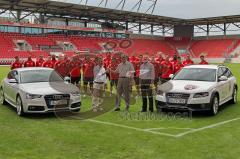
point(214, 105)
point(19, 106)
point(234, 96)
point(2, 98)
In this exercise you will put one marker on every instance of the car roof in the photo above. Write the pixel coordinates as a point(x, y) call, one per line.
point(203, 66)
point(32, 69)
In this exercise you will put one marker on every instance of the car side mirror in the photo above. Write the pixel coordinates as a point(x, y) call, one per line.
point(67, 79)
point(222, 78)
point(171, 76)
point(12, 81)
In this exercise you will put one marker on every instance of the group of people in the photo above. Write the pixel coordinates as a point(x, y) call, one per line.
point(122, 71)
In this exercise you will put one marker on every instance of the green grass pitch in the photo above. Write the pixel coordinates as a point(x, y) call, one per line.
point(115, 135)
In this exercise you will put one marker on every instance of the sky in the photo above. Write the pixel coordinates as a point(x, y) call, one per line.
point(185, 9)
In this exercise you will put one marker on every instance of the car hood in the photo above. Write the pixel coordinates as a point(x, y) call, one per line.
point(44, 88)
point(186, 86)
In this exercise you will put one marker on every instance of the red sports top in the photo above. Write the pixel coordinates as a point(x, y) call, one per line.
point(29, 63)
point(75, 68)
point(106, 61)
point(177, 67)
point(39, 63)
point(48, 64)
point(188, 62)
point(54, 61)
point(16, 65)
point(88, 68)
point(113, 66)
point(156, 68)
point(62, 68)
point(136, 65)
point(203, 62)
point(167, 69)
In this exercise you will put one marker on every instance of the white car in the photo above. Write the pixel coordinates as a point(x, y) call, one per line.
point(38, 90)
point(198, 88)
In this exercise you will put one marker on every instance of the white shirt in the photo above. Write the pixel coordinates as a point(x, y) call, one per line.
point(100, 74)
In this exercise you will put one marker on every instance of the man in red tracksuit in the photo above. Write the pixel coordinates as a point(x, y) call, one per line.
point(203, 62)
point(61, 67)
point(88, 75)
point(53, 60)
point(113, 76)
point(29, 62)
point(40, 61)
point(75, 70)
point(188, 61)
point(167, 70)
point(48, 63)
point(178, 66)
point(156, 65)
point(136, 64)
point(16, 64)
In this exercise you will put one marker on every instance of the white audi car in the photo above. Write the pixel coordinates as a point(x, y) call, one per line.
point(39, 90)
point(198, 88)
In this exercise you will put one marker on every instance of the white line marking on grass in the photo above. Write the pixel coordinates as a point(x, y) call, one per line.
point(206, 127)
point(164, 128)
point(133, 128)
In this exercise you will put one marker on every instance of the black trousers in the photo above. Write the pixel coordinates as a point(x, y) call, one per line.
point(147, 95)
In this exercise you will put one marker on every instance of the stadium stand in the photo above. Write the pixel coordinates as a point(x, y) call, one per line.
point(211, 48)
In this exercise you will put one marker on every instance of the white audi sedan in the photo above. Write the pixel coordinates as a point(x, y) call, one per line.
point(38, 90)
point(198, 88)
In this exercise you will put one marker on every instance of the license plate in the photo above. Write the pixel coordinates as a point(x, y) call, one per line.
point(177, 101)
point(59, 102)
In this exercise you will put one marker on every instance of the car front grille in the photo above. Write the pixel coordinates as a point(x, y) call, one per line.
point(57, 97)
point(177, 96)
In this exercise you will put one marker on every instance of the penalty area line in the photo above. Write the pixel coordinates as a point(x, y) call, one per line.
point(206, 127)
point(129, 127)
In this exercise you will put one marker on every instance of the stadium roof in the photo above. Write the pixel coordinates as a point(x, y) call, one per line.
point(78, 11)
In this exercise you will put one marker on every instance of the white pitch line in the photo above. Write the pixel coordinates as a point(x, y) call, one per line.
point(206, 127)
point(169, 128)
point(133, 128)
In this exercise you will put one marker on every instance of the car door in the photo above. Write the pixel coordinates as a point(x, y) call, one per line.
point(11, 88)
point(226, 84)
point(222, 85)
point(6, 86)
point(230, 83)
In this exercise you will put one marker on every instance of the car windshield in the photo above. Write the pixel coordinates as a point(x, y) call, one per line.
point(34, 76)
point(196, 74)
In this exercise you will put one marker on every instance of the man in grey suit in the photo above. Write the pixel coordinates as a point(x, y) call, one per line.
point(147, 76)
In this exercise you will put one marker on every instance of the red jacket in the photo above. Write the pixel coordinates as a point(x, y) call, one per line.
point(75, 68)
point(48, 64)
point(177, 67)
point(39, 63)
point(62, 68)
point(188, 62)
point(113, 66)
point(203, 63)
point(156, 68)
point(29, 63)
point(167, 69)
point(88, 68)
point(16, 65)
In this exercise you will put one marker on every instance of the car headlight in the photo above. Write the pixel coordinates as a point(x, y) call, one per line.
point(201, 95)
point(76, 93)
point(33, 96)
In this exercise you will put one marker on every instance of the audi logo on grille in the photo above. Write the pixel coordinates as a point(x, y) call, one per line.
point(57, 97)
